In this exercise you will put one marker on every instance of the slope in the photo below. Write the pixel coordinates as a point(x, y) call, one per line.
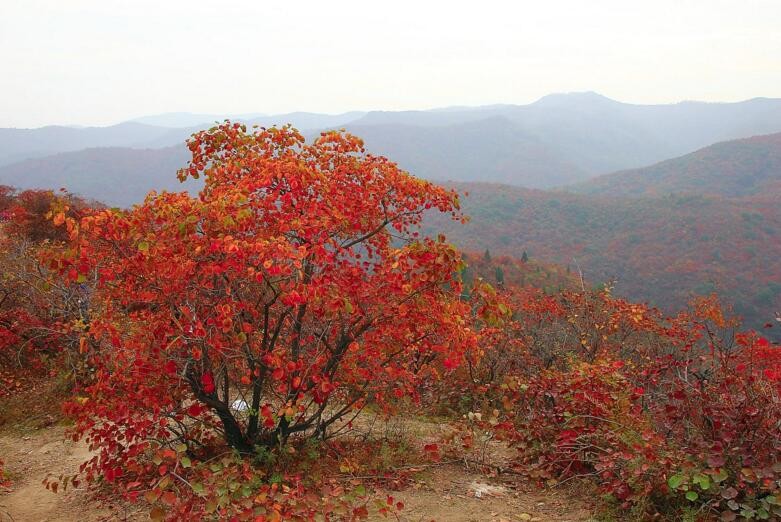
point(661, 250)
point(21, 144)
point(115, 176)
point(742, 167)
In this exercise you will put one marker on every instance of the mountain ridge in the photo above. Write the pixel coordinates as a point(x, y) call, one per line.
point(583, 134)
point(734, 168)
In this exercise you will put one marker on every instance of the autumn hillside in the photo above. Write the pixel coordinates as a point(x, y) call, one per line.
point(663, 249)
point(745, 167)
point(503, 271)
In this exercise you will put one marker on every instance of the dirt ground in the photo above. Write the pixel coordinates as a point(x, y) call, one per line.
point(31, 457)
point(446, 493)
point(451, 493)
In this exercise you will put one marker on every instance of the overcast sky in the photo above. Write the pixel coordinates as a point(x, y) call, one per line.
point(104, 61)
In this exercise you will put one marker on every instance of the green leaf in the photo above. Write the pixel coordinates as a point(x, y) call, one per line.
point(143, 246)
point(692, 496)
point(675, 481)
point(81, 279)
point(702, 480)
point(186, 462)
point(198, 488)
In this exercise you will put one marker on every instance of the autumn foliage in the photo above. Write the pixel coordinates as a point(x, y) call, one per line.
point(667, 415)
point(40, 315)
point(294, 291)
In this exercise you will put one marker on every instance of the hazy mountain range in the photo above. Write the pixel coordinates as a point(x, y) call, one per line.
point(559, 140)
point(20, 144)
point(667, 200)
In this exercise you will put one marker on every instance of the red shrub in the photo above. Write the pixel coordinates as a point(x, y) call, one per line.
point(294, 291)
point(663, 414)
point(41, 315)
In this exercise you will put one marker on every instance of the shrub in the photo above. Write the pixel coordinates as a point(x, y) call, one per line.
point(41, 315)
point(668, 416)
point(294, 291)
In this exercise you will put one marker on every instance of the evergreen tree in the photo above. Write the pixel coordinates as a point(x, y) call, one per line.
point(468, 279)
point(499, 276)
point(524, 257)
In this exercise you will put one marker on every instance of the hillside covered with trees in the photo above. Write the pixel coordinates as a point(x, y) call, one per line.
point(746, 167)
point(663, 250)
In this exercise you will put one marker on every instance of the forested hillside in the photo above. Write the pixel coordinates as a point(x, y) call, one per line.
point(663, 249)
point(745, 167)
point(505, 271)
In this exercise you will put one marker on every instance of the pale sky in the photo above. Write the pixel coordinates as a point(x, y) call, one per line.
point(100, 62)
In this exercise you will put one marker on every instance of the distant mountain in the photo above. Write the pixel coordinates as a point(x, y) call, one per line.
point(189, 119)
point(750, 166)
point(308, 120)
point(600, 135)
point(493, 149)
point(662, 250)
point(21, 144)
point(115, 176)
point(559, 139)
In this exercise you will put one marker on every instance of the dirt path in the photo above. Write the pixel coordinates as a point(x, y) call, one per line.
point(29, 459)
point(447, 493)
point(451, 493)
